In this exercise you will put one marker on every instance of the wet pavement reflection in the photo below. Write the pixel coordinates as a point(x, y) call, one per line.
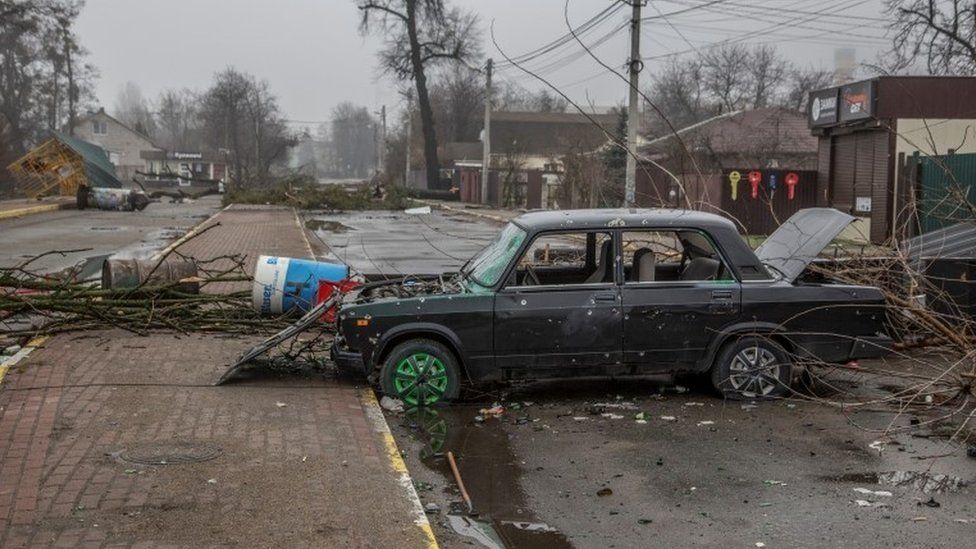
point(490, 472)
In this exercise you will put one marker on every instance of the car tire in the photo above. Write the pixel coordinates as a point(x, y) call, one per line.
point(440, 374)
point(752, 368)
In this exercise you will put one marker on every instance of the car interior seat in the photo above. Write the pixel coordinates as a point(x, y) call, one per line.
point(600, 274)
point(701, 268)
point(644, 266)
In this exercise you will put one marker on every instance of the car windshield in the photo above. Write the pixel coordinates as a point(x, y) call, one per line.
point(486, 267)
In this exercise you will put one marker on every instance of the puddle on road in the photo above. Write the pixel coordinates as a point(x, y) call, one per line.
point(490, 473)
point(920, 480)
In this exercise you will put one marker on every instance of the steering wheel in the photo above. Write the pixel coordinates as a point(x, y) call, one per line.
point(531, 278)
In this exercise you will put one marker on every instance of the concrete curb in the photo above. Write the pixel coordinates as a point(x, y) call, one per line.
point(20, 355)
point(375, 415)
point(31, 210)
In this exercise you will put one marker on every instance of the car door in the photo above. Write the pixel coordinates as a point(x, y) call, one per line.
point(567, 324)
point(670, 318)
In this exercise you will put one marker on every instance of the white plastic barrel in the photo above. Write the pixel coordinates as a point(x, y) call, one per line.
point(283, 283)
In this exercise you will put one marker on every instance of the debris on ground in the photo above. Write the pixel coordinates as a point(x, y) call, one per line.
point(930, 503)
point(705, 423)
point(611, 415)
point(880, 493)
point(669, 418)
point(390, 404)
point(497, 410)
point(604, 492)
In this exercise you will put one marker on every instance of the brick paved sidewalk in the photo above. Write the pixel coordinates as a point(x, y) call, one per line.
point(301, 462)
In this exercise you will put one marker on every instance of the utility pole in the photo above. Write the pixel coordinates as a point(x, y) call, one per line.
point(406, 171)
point(381, 140)
point(633, 116)
point(486, 135)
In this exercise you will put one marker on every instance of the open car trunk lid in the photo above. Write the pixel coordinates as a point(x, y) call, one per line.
point(801, 238)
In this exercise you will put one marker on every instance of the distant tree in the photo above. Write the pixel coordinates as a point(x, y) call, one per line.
point(419, 35)
point(457, 97)
point(43, 78)
point(240, 114)
point(942, 32)
point(132, 109)
point(353, 140)
point(725, 79)
point(802, 82)
point(510, 96)
point(178, 120)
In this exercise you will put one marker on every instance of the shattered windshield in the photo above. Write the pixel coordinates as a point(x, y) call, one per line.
point(486, 267)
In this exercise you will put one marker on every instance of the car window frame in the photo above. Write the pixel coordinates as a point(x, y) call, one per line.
point(671, 283)
point(614, 247)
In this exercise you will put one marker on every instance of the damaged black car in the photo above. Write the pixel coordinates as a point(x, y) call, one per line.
point(616, 293)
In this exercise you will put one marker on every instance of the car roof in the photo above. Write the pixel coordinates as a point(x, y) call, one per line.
point(542, 220)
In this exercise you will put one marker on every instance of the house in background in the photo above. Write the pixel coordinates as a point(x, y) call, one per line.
point(741, 164)
point(123, 144)
point(527, 150)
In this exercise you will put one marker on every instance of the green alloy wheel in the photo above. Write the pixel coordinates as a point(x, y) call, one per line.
point(420, 372)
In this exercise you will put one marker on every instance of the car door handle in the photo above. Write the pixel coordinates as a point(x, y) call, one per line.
point(605, 296)
point(722, 294)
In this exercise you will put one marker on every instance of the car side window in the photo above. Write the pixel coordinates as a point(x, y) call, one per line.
point(671, 256)
point(566, 258)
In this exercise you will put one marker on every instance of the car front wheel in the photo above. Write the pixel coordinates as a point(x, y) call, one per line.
point(420, 372)
point(752, 368)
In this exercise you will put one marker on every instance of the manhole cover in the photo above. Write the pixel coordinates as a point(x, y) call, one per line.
point(170, 453)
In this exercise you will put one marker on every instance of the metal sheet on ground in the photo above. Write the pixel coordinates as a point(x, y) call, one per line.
point(398, 244)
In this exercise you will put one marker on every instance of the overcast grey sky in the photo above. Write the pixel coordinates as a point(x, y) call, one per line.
point(312, 54)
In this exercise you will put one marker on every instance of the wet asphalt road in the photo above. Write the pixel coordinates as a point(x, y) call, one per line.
point(398, 244)
point(571, 463)
point(121, 234)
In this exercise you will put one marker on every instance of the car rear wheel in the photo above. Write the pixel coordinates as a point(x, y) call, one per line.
point(752, 368)
point(421, 372)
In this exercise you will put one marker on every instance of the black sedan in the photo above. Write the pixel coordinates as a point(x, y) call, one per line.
point(579, 293)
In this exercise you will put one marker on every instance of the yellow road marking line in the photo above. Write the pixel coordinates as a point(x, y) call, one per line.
point(375, 415)
point(30, 210)
point(13, 360)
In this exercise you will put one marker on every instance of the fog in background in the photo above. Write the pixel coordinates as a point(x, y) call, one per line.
point(314, 57)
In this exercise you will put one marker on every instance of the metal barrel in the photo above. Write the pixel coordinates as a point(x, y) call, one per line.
point(130, 273)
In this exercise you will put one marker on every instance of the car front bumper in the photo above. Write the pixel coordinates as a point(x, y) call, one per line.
point(346, 359)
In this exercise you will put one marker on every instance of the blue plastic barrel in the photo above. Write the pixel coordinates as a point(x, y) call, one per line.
point(284, 283)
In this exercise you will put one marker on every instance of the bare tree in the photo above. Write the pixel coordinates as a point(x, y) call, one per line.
point(943, 32)
point(678, 91)
point(723, 69)
point(133, 110)
point(802, 82)
point(766, 72)
point(241, 114)
point(419, 35)
point(178, 119)
point(457, 98)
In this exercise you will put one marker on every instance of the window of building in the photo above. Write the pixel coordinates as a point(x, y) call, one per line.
point(99, 127)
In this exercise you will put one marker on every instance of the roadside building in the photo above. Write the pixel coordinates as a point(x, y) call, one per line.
point(123, 144)
point(527, 151)
point(757, 166)
point(161, 164)
point(891, 148)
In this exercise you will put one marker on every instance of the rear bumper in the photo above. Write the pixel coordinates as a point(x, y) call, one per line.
point(347, 360)
point(871, 347)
